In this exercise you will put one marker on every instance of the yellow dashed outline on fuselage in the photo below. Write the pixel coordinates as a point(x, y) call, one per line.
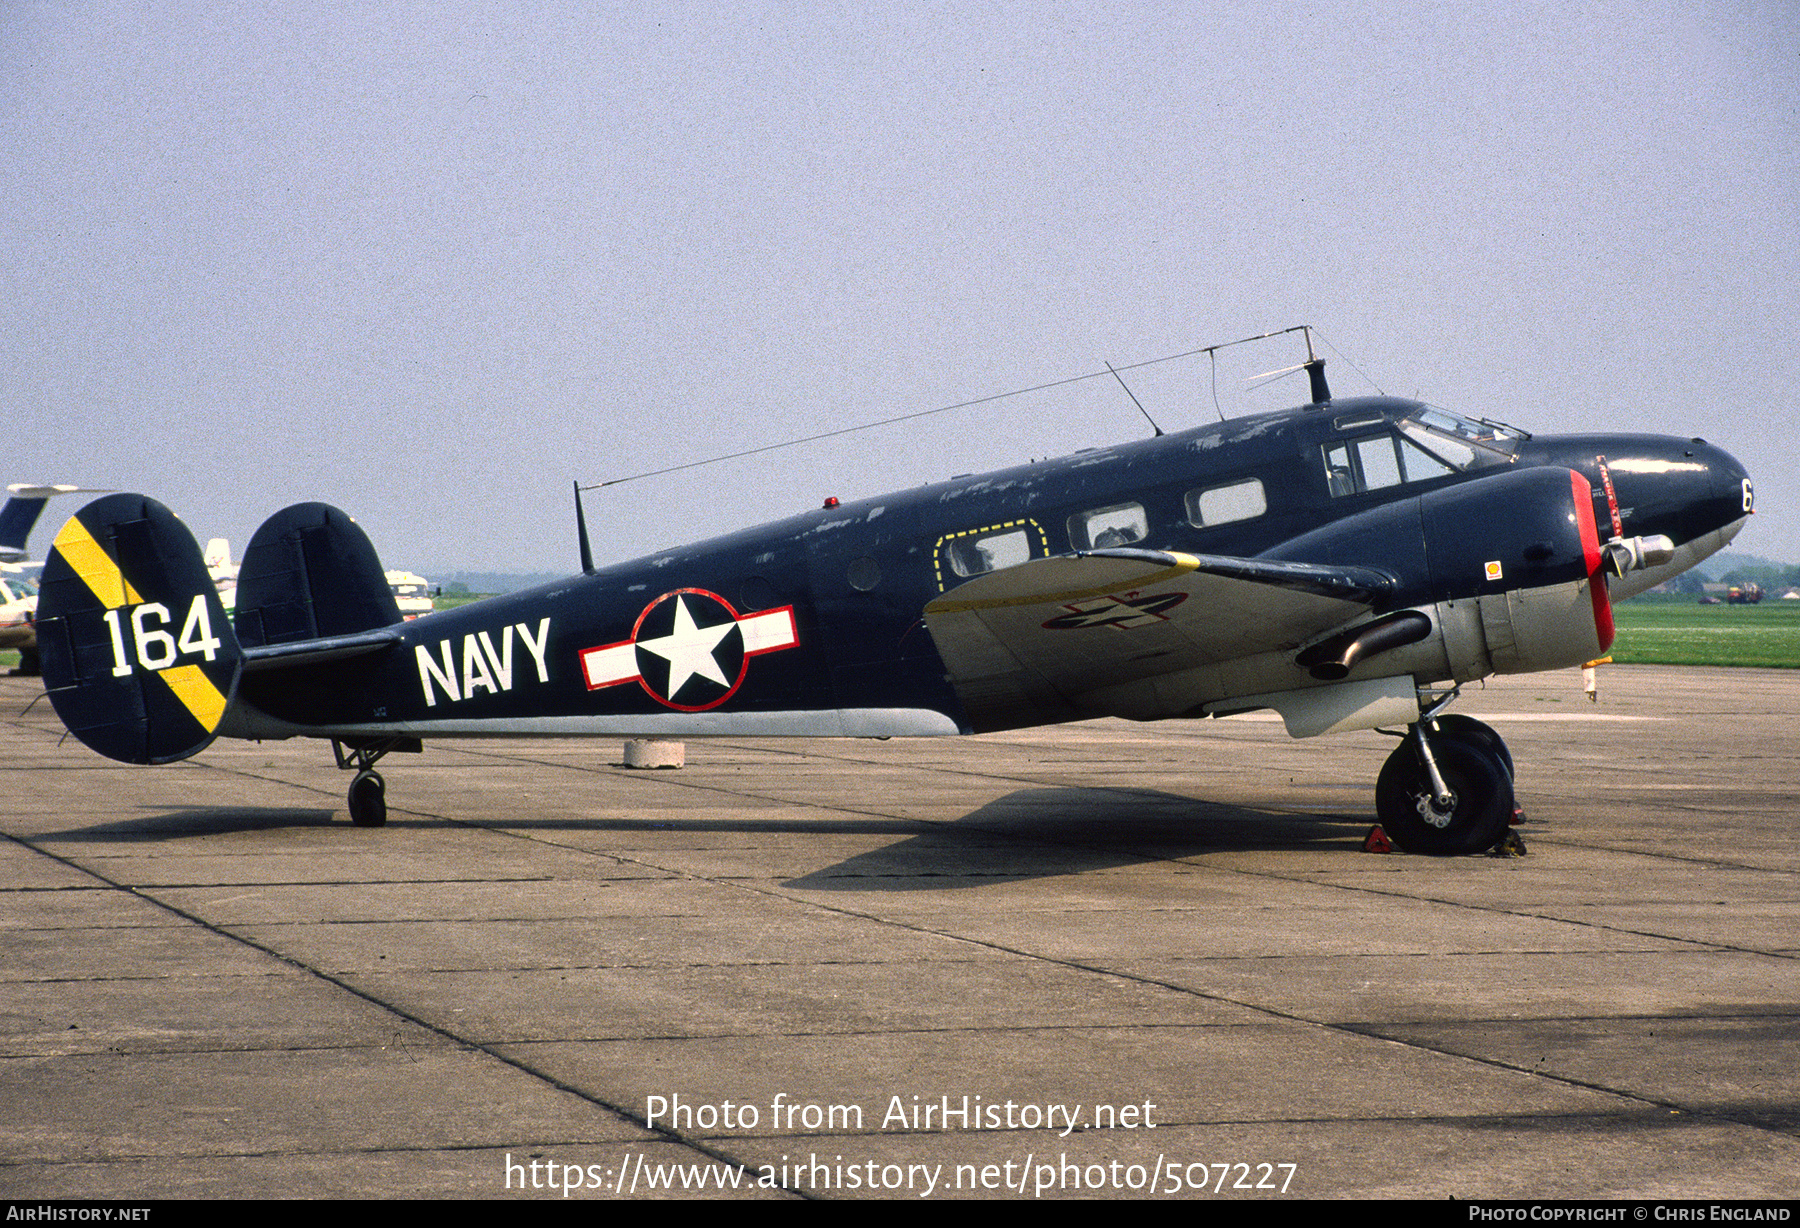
point(1026, 522)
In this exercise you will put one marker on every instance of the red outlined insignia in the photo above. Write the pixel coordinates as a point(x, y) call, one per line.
point(690, 649)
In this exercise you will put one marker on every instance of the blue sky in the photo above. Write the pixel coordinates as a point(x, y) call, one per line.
point(432, 263)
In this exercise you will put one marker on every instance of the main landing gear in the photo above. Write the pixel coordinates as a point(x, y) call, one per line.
point(1448, 786)
point(368, 791)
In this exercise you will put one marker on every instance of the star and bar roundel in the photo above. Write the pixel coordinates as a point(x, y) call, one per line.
point(690, 649)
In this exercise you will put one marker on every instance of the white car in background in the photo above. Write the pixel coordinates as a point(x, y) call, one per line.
point(412, 593)
point(18, 606)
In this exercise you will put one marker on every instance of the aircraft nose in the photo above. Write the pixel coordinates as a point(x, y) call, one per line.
point(1682, 488)
point(1731, 481)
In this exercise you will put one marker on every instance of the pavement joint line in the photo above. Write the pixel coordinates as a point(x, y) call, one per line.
point(1196, 862)
point(668, 1134)
point(1471, 906)
point(1093, 969)
point(133, 1157)
point(1271, 1011)
point(1705, 863)
point(1275, 1012)
point(332, 882)
point(717, 787)
point(1473, 1120)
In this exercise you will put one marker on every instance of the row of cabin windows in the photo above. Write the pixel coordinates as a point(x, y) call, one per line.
point(1352, 466)
point(1121, 524)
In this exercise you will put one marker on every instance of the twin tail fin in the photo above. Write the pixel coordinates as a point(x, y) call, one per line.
point(140, 659)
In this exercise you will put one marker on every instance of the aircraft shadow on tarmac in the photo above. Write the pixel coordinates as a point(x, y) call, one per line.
point(199, 821)
point(1046, 833)
point(1030, 833)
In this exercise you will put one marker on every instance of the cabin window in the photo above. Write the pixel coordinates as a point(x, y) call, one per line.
point(975, 552)
point(972, 556)
point(1244, 500)
point(1122, 524)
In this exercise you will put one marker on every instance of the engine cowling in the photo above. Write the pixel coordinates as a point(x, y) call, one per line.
point(1508, 567)
point(1528, 542)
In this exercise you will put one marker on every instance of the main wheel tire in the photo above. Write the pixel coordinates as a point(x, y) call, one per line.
point(1456, 725)
point(368, 799)
point(1481, 806)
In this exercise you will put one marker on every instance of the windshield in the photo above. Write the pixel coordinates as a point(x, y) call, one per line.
point(1462, 443)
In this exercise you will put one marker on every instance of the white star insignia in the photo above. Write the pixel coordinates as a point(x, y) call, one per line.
point(689, 649)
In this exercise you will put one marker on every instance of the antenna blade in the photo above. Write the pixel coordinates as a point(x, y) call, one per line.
point(1134, 400)
point(587, 556)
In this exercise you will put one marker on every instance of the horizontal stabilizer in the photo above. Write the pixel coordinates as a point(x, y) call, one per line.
point(310, 573)
point(1031, 641)
point(139, 658)
point(319, 652)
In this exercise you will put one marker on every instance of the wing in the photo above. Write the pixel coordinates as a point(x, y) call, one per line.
point(1067, 637)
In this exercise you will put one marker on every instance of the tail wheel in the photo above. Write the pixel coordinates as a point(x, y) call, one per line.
point(368, 799)
point(1480, 803)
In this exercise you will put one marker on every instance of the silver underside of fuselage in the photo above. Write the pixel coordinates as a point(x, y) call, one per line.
point(244, 721)
point(1687, 555)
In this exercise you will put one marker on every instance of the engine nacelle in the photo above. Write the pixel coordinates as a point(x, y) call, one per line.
point(1508, 567)
point(1542, 599)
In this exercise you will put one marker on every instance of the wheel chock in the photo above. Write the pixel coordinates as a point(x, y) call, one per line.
point(1518, 815)
point(1508, 845)
point(1377, 841)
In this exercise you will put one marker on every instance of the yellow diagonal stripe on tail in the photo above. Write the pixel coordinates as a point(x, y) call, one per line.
point(89, 560)
point(195, 690)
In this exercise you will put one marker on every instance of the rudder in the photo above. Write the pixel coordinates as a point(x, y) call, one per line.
point(139, 658)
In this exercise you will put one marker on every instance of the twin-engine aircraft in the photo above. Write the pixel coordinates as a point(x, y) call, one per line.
point(1348, 563)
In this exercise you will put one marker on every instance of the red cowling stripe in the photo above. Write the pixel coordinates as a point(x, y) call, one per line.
point(1590, 548)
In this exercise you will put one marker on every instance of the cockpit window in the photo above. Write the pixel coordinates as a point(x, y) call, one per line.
point(1376, 462)
point(1429, 443)
point(1455, 451)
